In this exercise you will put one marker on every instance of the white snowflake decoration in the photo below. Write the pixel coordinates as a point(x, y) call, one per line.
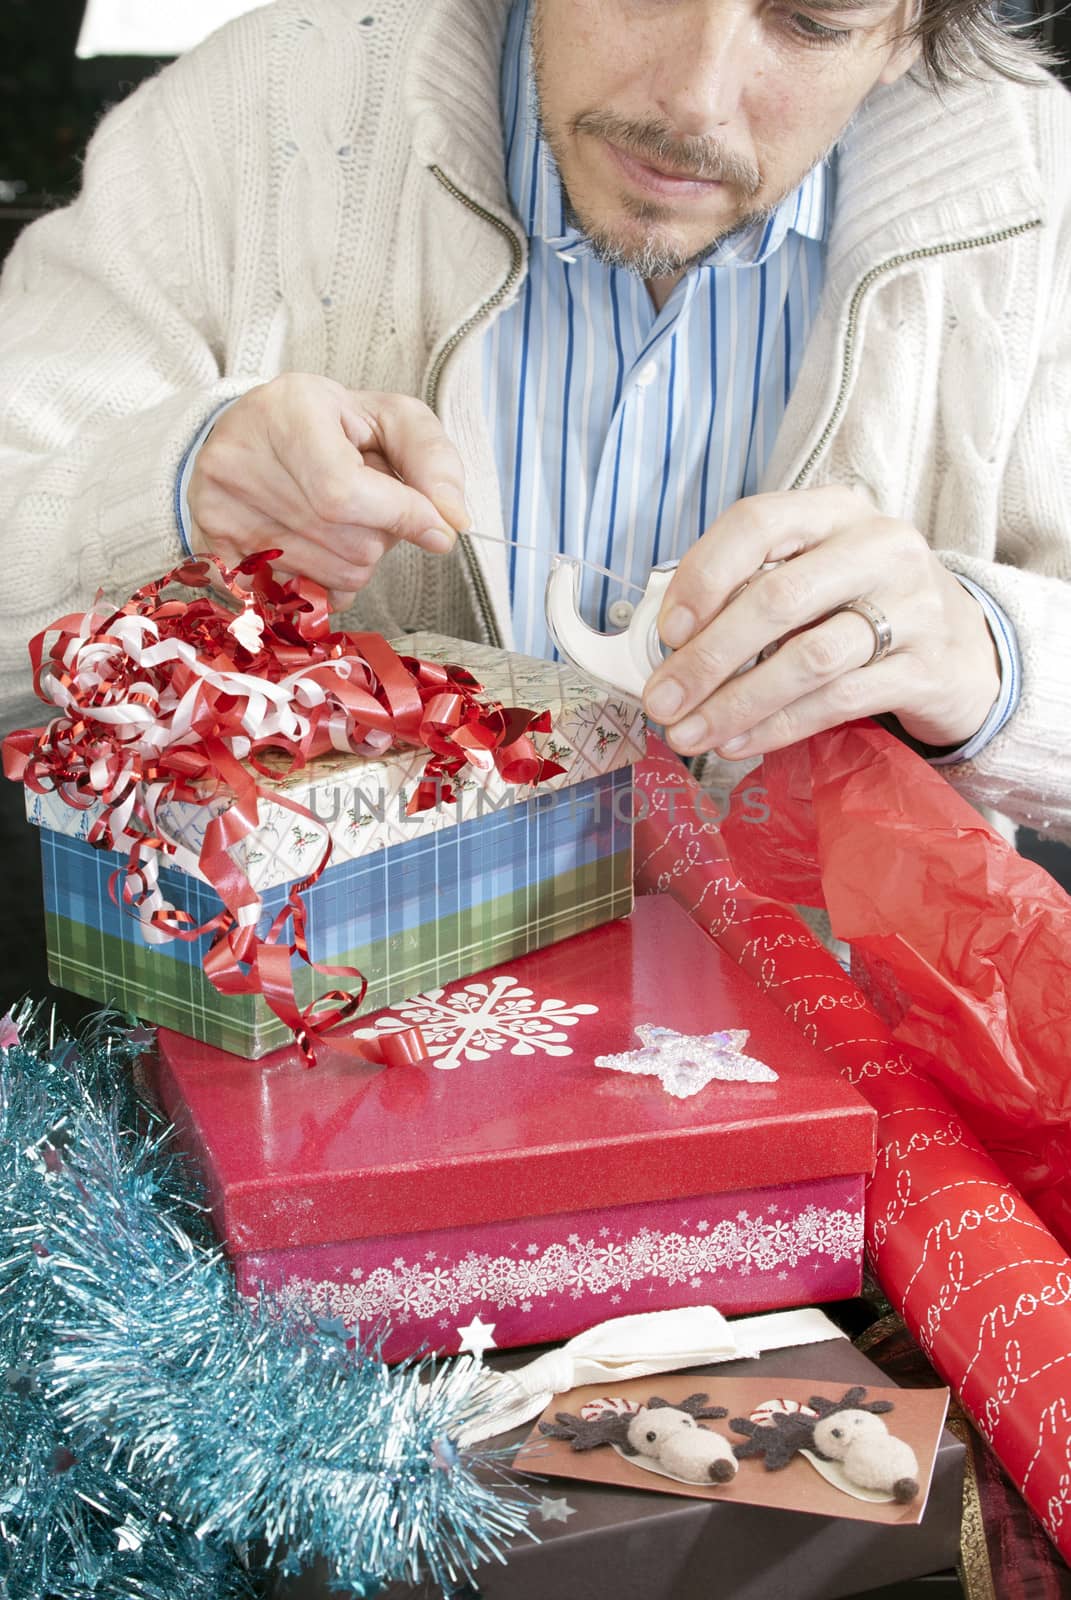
point(481, 1019)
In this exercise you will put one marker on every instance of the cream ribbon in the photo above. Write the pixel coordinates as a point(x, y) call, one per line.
point(634, 1347)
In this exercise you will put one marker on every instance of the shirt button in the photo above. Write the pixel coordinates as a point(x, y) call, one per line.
point(647, 374)
point(619, 612)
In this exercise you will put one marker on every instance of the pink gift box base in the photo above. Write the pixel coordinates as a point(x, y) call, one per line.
point(548, 1278)
point(383, 1197)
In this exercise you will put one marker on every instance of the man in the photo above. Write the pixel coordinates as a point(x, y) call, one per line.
point(318, 217)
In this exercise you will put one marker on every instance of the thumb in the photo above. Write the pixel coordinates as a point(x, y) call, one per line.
point(409, 439)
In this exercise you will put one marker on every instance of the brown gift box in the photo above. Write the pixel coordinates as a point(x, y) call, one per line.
point(625, 1544)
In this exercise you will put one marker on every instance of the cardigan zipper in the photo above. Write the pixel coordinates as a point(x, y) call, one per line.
point(951, 248)
point(431, 388)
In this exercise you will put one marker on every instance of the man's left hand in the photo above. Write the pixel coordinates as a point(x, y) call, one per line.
point(940, 676)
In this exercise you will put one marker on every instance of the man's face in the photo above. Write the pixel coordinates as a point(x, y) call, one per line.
point(674, 122)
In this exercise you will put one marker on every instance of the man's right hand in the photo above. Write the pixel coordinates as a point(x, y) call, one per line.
point(332, 477)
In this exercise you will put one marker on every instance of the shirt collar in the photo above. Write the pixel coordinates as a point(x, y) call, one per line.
point(536, 192)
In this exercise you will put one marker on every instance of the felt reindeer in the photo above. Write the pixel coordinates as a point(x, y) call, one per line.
point(849, 1431)
point(668, 1434)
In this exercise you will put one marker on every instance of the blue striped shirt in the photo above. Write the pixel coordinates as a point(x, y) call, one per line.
point(620, 432)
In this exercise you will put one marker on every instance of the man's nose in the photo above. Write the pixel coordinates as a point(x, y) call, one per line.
point(701, 68)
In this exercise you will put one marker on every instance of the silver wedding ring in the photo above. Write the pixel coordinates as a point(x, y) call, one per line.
point(879, 625)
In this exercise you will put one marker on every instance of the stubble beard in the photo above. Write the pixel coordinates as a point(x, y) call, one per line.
point(653, 254)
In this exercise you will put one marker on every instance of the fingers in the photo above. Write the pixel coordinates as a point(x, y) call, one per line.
point(239, 508)
point(331, 477)
point(762, 528)
point(878, 557)
point(333, 570)
point(319, 447)
point(941, 686)
point(865, 692)
point(342, 557)
point(815, 668)
point(820, 673)
point(773, 605)
point(410, 438)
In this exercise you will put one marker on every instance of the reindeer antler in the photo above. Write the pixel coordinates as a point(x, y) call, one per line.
point(777, 1441)
point(695, 1405)
point(851, 1400)
point(587, 1434)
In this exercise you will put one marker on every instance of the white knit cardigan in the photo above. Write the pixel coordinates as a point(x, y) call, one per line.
point(321, 189)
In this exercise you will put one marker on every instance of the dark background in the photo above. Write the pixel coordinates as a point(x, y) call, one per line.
point(49, 105)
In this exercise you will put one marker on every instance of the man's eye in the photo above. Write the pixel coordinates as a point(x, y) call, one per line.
point(806, 28)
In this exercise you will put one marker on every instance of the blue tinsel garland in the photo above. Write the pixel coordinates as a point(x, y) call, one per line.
point(153, 1427)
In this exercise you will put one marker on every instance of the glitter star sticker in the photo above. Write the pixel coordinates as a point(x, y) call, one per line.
point(686, 1063)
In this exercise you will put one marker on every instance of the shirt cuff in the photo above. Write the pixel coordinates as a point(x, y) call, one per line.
point(1011, 679)
point(185, 473)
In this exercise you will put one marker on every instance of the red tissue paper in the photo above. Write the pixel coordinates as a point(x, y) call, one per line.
point(170, 698)
point(950, 929)
point(960, 941)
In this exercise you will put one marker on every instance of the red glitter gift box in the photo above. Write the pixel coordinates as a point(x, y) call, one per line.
point(510, 1179)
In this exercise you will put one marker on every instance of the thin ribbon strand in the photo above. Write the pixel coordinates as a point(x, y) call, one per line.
point(539, 550)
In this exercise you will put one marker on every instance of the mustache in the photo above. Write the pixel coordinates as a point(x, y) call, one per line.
point(700, 157)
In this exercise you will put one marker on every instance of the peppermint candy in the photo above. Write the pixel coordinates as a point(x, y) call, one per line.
point(766, 1412)
point(609, 1406)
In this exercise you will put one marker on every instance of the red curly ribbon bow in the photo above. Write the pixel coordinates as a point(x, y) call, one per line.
point(173, 699)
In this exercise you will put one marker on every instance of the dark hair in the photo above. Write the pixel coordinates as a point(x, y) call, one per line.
point(970, 39)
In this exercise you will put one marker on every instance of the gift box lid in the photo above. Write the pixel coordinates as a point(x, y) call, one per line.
point(361, 800)
point(510, 1117)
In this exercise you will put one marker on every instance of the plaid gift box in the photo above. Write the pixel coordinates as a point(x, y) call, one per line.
point(411, 902)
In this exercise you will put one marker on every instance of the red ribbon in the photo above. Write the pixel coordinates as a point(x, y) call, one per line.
point(165, 700)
